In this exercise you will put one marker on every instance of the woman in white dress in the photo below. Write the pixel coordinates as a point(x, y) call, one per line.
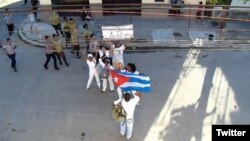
point(117, 52)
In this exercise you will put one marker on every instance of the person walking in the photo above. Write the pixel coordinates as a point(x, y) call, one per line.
point(105, 74)
point(50, 52)
point(66, 30)
point(131, 68)
point(9, 48)
point(92, 71)
point(32, 20)
point(8, 19)
point(128, 104)
point(57, 45)
point(75, 43)
point(56, 23)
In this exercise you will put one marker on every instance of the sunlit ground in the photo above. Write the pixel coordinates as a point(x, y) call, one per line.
point(4, 3)
point(187, 110)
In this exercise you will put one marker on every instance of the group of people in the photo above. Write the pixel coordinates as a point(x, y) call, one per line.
point(99, 56)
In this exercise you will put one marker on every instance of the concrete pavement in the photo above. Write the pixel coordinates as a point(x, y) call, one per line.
point(191, 90)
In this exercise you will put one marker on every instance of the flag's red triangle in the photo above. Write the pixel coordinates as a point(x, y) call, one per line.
point(118, 79)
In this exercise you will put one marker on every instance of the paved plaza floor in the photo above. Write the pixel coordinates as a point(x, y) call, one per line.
point(191, 90)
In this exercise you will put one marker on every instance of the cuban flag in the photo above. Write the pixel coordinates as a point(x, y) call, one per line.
point(131, 82)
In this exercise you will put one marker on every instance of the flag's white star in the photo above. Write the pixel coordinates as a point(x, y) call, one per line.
point(116, 79)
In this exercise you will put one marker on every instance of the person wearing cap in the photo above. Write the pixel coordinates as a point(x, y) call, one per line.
point(106, 65)
point(92, 71)
point(9, 48)
point(128, 104)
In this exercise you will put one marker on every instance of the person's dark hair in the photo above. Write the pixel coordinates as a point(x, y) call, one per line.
point(46, 37)
point(71, 19)
point(92, 35)
point(7, 39)
point(85, 26)
point(200, 2)
point(127, 96)
point(132, 67)
point(65, 18)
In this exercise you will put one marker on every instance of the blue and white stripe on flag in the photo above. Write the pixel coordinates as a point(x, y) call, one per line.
point(136, 82)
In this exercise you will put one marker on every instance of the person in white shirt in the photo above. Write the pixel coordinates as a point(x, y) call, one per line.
point(9, 21)
point(108, 78)
point(92, 71)
point(129, 104)
point(32, 20)
point(118, 54)
point(9, 48)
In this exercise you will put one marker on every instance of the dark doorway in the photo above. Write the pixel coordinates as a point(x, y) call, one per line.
point(69, 5)
point(111, 7)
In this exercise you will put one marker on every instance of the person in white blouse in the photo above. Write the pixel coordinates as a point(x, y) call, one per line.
point(32, 20)
point(117, 51)
point(106, 65)
point(129, 103)
point(92, 71)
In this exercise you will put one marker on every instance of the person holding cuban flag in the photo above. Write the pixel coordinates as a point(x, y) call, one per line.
point(132, 83)
point(131, 68)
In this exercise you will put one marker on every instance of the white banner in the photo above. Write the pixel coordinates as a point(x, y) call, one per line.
point(117, 32)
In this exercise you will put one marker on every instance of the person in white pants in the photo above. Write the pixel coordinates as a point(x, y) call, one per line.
point(92, 71)
point(129, 104)
point(105, 80)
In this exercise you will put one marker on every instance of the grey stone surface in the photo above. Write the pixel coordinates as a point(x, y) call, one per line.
point(191, 90)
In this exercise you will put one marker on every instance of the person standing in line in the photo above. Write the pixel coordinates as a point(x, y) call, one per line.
point(9, 21)
point(107, 78)
point(57, 45)
point(32, 20)
point(56, 23)
point(92, 71)
point(50, 52)
point(66, 31)
point(129, 104)
point(9, 48)
point(75, 43)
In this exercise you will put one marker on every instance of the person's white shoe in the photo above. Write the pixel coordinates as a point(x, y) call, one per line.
point(129, 137)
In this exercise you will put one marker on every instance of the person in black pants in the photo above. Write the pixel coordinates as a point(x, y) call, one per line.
point(9, 47)
point(34, 4)
point(9, 21)
point(50, 52)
